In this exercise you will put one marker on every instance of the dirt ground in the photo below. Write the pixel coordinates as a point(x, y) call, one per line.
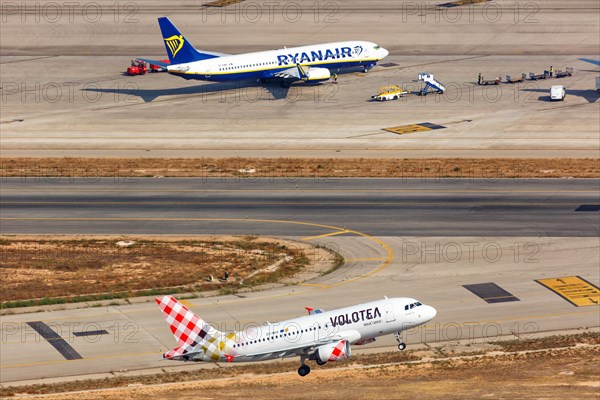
point(296, 167)
point(45, 267)
point(559, 373)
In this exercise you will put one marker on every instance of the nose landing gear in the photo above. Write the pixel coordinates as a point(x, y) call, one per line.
point(401, 344)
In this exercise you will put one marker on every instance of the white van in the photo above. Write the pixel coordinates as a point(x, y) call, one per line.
point(557, 92)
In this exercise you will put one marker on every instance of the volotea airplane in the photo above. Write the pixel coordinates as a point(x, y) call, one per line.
point(308, 63)
point(322, 336)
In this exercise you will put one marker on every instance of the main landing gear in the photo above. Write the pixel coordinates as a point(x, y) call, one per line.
point(401, 344)
point(304, 369)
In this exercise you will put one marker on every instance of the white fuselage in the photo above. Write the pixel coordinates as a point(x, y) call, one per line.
point(357, 324)
point(265, 64)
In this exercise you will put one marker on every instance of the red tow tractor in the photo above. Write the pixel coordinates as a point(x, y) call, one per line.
point(137, 68)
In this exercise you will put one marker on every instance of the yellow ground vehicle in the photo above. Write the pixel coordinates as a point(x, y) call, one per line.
point(390, 92)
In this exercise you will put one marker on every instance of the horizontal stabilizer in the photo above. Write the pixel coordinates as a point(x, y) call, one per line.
point(154, 62)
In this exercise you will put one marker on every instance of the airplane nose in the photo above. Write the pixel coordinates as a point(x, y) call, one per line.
point(384, 53)
point(431, 313)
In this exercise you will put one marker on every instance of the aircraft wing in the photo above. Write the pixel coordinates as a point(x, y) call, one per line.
point(595, 62)
point(290, 73)
point(295, 351)
point(155, 62)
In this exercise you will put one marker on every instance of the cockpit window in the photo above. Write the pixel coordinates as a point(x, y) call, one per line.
point(411, 306)
point(377, 47)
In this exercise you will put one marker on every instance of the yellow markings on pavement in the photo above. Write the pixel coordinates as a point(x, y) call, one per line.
point(325, 235)
point(388, 259)
point(222, 3)
point(404, 129)
point(574, 289)
point(317, 285)
point(186, 303)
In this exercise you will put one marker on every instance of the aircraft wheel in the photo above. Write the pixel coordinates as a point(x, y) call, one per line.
point(401, 346)
point(365, 70)
point(319, 362)
point(303, 370)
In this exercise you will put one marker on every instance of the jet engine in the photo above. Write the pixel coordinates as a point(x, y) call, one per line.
point(317, 74)
point(335, 351)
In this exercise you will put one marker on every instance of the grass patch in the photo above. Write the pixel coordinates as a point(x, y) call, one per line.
point(47, 271)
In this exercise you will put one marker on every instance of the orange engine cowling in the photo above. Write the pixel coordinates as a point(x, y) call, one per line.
point(336, 351)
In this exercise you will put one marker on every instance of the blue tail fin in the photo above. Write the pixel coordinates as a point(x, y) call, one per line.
point(178, 47)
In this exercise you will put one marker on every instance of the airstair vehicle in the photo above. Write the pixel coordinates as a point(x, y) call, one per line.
point(431, 84)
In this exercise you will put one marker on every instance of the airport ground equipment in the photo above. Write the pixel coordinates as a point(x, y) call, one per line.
point(137, 67)
point(557, 92)
point(490, 82)
point(598, 83)
point(535, 77)
point(431, 84)
point(516, 80)
point(561, 74)
point(159, 68)
point(390, 92)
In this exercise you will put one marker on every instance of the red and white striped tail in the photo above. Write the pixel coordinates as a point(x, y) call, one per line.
point(187, 327)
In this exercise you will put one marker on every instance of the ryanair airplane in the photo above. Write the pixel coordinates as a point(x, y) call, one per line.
point(321, 336)
point(307, 63)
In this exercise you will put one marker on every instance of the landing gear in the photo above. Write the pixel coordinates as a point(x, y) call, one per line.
point(319, 362)
point(303, 370)
point(365, 70)
point(401, 344)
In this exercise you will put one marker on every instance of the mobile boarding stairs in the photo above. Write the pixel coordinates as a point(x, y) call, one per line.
point(431, 84)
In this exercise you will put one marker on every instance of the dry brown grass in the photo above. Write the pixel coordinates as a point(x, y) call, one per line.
point(555, 373)
point(50, 267)
point(295, 168)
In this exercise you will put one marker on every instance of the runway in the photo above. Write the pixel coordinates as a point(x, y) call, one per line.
point(391, 233)
point(380, 207)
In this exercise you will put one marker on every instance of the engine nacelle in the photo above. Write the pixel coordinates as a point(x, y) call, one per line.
point(336, 351)
point(317, 74)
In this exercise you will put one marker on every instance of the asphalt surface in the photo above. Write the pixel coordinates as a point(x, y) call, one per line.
point(84, 105)
point(300, 207)
point(392, 233)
